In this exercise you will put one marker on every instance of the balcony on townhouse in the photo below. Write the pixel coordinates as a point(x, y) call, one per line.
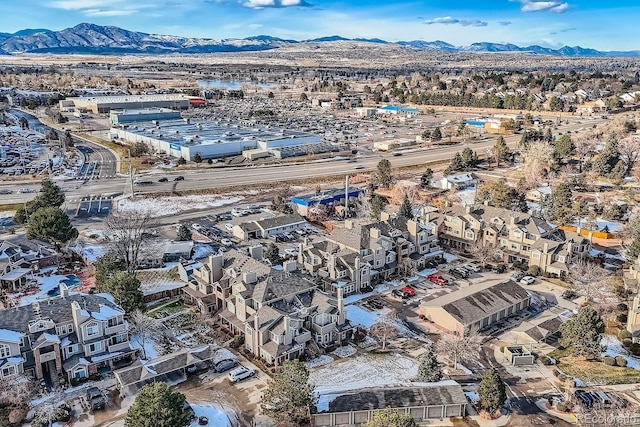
point(303, 336)
point(48, 356)
point(118, 347)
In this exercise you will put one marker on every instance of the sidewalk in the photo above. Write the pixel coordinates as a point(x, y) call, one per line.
point(542, 404)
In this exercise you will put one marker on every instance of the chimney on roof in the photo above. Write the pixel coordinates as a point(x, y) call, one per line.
point(340, 292)
point(249, 277)
point(64, 290)
point(36, 309)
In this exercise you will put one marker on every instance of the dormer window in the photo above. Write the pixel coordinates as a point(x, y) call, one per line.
point(92, 330)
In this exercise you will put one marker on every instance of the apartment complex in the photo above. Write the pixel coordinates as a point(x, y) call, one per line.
point(73, 335)
point(515, 236)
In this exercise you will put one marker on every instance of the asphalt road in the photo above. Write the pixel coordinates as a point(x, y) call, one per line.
point(105, 181)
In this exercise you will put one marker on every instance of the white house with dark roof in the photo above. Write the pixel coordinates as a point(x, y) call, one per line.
point(72, 334)
point(268, 227)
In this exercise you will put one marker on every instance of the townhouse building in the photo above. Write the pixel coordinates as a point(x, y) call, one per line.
point(21, 257)
point(69, 335)
point(365, 254)
point(516, 236)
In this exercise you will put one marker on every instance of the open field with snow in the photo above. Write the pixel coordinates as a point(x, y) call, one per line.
point(171, 205)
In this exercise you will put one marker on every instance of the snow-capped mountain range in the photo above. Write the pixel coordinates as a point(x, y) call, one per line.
point(91, 38)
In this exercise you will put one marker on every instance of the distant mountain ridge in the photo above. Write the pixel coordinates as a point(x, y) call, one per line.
point(91, 38)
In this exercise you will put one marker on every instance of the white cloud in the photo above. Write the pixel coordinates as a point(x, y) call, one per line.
point(447, 20)
point(83, 4)
point(114, 12)
point(543, 6)
point(504, 23)
point(261, 4)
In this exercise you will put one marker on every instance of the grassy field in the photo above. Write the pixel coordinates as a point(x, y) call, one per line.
point(11, 207)
point(598, 372)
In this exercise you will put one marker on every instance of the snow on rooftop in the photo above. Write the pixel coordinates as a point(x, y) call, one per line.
point(106, 312)
point(11, 336)
point(100, 358)
point(51, 337)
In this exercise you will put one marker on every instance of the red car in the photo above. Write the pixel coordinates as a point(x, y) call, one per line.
point(409, 291)
point(437, 279)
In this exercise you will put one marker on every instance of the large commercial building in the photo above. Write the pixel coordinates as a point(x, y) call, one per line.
point(118, 117)
point(104, 104)
point(218, 138)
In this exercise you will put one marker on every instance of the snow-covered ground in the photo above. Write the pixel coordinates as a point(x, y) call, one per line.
point(364, 371)
point(464, 369)
point(170, 205)
point(321, 360)
point(216, 416)
point(612, 226)
point(467, 197)
point(149, 346)
point(201, 251)
point(383, 287)
point(343, 352)
point(615, 348)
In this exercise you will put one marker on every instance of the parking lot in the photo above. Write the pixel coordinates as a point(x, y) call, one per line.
point(90, 206)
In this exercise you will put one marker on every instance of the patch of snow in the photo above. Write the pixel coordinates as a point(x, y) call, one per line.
point(472, 396)
point(321, 360)
point(615, 348)
point(464, 369)
point(149, 347)
point(360, 316)
point(383, 287)
point(201, 251)
point(345, 351)
point(217, 416)
point(449, 257)
point(171, 205)
point(368, 342)
point(364, 371)
point(467, 197)
point(427, 272)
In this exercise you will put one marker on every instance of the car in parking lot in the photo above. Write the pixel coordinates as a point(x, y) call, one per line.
point(528, 280)
point(460, 272)
point(474, 268)
point(225, 365)
point(240, 373)
point(569, 294)
point(399, 293)
point(226, 242)
point(179, 178)
point(229, 226)
point(437, 279)
point(517, 276)
point(95, 398)
point(500, 268)
point(409, 291)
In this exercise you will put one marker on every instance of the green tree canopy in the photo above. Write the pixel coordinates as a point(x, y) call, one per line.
point(469, 158)
point(197, 158)
point(383, 173)
point(491, 392)
point(564, 147)
point(583, 333)
point(436, 135)
point(50, 195)
point(106, 266)
point(184, 233)
point(561, 209)
point(390, 418)
point(429, 369)
point(500, 150)
point(273, 254)
point(406, 209)
point(156, 405)
point(426, 177)
point(125, 289)
point(608, 158)
point(51, 224)
point(377, 206)
point(289, 395)
point(501, 195)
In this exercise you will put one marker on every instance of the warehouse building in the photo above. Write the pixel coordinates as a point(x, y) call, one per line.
point(476, 307)
point(104, 104)
point(328, 198)
point(217, 139)
point(117, 117)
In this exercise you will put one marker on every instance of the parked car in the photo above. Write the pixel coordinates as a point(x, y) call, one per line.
point(229, 226)
point(499, 268)
point(569, 294)
point(240, 373)
point(163, 179)
point(197, 367)
point(460, 272)
point(437, 279)
point(226, 242)
point(528, 280)
point(291, 251)
point(400, 294)
point(95, 398)
point(474, 268)
point(179, 178)
point(409, 291)
point(225, 365)
point(517, 276)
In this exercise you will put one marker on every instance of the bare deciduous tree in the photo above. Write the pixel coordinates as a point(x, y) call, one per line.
point(588, 279)
point(16, 390)
point(385, 329)
point(458, 347)
point(143, 327)
point(538, 159)
point(629, 149)
point(127, 232)
point(484, 252)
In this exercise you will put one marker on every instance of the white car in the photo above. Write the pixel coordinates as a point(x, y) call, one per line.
point(291, 251)
point(528, 280)
point(226, 242)
point(240, 373)
point(471, 267)
point(237, 212)
point(26, 190)
point(229, 226)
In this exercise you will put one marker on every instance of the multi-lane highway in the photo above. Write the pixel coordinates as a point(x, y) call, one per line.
point(204, 178)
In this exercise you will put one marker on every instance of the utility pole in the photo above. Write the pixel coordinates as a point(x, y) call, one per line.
point(131, 174)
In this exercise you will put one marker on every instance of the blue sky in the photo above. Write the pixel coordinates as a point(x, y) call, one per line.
point(605, 25)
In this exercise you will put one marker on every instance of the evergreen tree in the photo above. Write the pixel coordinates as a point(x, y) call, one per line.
point(197, 158)
point(156, 405)
point(426, 178)
point(390, 418)
point(491, 392)
point(106, 266)
point(289, 395)
point(561, 209)
point(184, 233)
point(406, 209)
point(426, 135)
point(273, 254)
point(500, 150)
point(377, 206)
point(548, 136)
point(608, 158)
point(436, 135)
point(429, 369)
point(564, 147)
point(50, 195)
point(182, 161)
point(383, 174)
point(469, 158)
point(51, 224)
point(455, 165)
point(125, 289)
point(582, 333)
